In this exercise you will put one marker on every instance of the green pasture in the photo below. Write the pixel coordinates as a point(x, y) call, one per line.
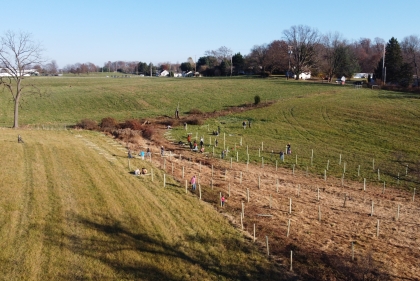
point(371, 128)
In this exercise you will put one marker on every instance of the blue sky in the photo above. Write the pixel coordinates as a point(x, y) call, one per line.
point(160, 31)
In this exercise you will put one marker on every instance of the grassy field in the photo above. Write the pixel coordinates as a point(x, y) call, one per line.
point(70, 210)
point(371, 128)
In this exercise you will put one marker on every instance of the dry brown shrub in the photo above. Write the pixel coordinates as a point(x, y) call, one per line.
point(148, 132)
point(88, 124)
point(132, 124)
point(109, 124)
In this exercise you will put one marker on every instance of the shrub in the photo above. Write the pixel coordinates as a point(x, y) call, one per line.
point(257, 99)
point(132, 124)
point(148, 132)
point(109, 124)
point(88, 124)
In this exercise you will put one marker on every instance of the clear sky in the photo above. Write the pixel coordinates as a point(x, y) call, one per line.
point(154, 31)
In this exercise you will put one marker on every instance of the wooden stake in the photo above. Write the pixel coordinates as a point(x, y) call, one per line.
point(290, 206)
point(259, 152)
point(237, 156)
point(377, 229)
point(364, 184)
point(345, 198)
point(291, 260)
point(164, 180)
point(262, 146)
point(254, 232)
point(240, 178)
point(243, 209)
point(270, 201)
point(242, 222)
point(247, 195)
point(319, 213)
point(371, 211)
point(288, 228)
point(414, 194)
point(379, 176)
point(358, 171)
point(339, 162)
point(266, 241)
point(328, 164)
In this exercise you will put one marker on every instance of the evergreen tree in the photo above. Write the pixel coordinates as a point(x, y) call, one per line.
point(393, 62)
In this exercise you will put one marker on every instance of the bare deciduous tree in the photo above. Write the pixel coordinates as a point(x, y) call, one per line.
point(331, 42)
point(411, 51)
point(18, 53)
point(304, 41)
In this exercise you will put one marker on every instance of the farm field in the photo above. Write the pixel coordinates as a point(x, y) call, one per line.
point(354, 165)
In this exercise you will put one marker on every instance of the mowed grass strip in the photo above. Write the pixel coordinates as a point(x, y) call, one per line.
point(68, 213)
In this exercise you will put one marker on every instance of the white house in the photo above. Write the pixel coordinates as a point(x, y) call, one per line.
point(164, 73)
point(4, 72)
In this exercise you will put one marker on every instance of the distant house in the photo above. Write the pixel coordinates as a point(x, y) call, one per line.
point(164, 73)
point(27, 72)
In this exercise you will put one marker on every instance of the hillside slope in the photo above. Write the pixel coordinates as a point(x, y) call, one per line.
point(70, 210)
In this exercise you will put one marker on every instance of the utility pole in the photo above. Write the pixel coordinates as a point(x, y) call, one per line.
point(290, 51)
point(231, 65)
point(383, 68)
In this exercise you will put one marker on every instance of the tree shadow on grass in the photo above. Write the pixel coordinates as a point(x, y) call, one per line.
point(146, 256)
